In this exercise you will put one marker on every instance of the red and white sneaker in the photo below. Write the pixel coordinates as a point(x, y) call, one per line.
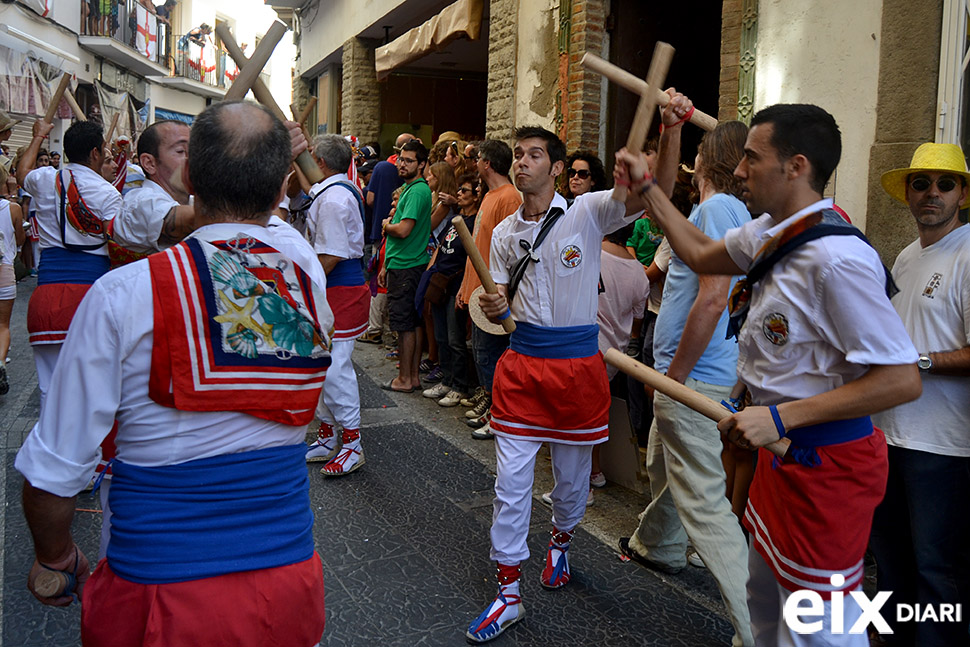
point(556, 573)
point(348, 459)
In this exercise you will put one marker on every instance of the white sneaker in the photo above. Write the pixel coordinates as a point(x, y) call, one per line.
point(597, 480)
point(547, 498)
point(436, 392)
point(694, 558)
point(450, 400)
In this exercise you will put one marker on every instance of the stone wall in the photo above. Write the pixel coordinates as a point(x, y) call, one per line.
point(502, 49)
point(581, 109)
point(727, 108)
point(361, 103)
point(909, 63)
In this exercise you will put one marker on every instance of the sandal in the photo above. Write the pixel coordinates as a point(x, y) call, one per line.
point(389, 386)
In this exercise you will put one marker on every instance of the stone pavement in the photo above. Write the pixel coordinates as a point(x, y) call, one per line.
point(404, 540)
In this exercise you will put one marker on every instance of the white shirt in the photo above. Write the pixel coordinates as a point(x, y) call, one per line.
point(334, 224)
point(625, 289)
point(139, 224)
point(559, 290)
point(98, 194)
point(102, 377)
point(819, 319)
point(8, 240)
point(934, 303)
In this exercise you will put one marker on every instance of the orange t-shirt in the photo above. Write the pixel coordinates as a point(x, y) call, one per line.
point(497, 205)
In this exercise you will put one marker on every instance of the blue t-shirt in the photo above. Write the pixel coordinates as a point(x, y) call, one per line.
point(718, 363)
point(383, 182)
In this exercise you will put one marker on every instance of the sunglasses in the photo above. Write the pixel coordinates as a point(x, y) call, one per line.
point(582, 174)
point(465, 190)
point(944, 184)
point(471, 158)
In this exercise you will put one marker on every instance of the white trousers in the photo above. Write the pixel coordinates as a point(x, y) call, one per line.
point(512, 508)
point(45, 358)
point(766, 604)
point(340, 398)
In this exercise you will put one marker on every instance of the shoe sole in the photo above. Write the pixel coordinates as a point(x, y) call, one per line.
point(643, 561)
point(350, 471)
point(447, 404)
point(475, 641)
point(323, 459)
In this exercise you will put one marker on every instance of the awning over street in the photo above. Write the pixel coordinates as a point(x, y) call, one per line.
point(463, 18)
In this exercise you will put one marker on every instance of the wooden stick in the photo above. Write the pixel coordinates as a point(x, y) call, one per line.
point(306, 110)
point(71, 101)
point(663, 54)
point(249, 72)
point(50, 584)
point(265, 97)
point(636, 85)
point(480, 267)
point(677, 391)
point(56, 98)
point(111, 130)
point(297, 119)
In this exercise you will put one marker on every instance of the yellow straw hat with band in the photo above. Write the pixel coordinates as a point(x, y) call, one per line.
point(928, 158)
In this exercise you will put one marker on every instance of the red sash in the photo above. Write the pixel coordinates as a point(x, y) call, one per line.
point(236, 328)
point(78, 215)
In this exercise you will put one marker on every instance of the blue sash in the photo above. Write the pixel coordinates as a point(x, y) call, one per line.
point(567, 342)
point(348, 272)
point(210, 517)
point(804, 440)
point(59, 265)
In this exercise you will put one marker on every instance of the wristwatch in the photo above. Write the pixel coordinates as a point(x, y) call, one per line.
point(924, 363)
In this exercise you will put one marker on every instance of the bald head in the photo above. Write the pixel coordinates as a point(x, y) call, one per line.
point(403, 139)
point(239, 155)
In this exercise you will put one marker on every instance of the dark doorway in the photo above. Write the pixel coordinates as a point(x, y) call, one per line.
point(695, 70)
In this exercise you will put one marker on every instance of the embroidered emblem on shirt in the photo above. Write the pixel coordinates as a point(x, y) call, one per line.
point(571, 256)
point(775, 327)
point(931, 286)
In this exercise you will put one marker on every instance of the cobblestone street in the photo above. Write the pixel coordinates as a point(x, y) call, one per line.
point(404, 540)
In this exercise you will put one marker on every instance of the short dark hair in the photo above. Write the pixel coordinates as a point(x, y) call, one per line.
point(150, 138)
point(418, 149)
point(238, 171)
point(554, 146)
point(804, 129)
point(497, 154)
point(80, 139)
point(596, 171)
point(621, 235)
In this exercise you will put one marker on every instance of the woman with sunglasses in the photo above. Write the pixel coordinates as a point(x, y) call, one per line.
point(584, 173)
point(450, 324)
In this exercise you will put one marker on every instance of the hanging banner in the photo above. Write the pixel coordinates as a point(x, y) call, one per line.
point(43, 7)
point(26, 85)
point(146, 37)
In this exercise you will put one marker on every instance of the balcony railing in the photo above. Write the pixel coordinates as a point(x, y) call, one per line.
point(204, 63)
point(130, 23)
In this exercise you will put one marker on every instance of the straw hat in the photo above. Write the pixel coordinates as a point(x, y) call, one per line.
point(475, 310)
point(6, 123)
point(935, 158)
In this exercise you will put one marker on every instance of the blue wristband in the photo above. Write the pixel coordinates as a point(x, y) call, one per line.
point(504, 315)
point(729, 406)
point(778, 423)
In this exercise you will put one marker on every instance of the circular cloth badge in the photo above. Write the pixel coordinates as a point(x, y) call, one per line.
point(775, 327)
point(571, 256)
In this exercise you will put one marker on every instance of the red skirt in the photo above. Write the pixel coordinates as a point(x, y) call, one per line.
point(273, 607)
point(812, 522)
point(50, 310)
point(351, 307)
point(551, 400)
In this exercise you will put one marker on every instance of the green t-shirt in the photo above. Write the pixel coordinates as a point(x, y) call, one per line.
point(645, 240)
point(414, 203)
